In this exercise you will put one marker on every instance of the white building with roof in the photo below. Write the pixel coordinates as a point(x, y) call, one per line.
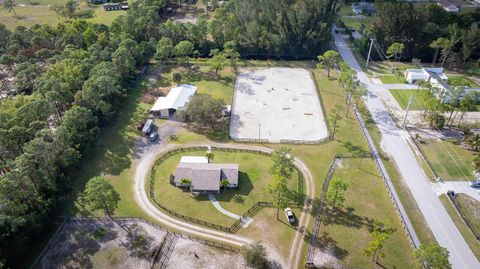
point(177, 99)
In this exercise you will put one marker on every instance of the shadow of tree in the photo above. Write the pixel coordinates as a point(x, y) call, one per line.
point(138, 243)
point(326, 243)
point(345, 217)
point(244, 188)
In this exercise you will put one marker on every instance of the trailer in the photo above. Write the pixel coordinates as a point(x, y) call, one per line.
point(147, 128)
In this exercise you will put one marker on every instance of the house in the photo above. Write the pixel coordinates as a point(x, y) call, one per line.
point(98, 1)
point(437, 78)
point(363, 8)
point(205, 177)
point(448, 6)
point(115, 6)
point(177, 99)
point(412, 75)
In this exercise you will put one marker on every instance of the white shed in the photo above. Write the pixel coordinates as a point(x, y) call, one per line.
point(177, 99)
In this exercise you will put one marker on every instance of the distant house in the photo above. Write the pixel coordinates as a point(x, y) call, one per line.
point(448, 6)
point(115, 6)
point(205, 177)
point(363, 8)
point(98, 1)
point(177, 99)
point(437, 78)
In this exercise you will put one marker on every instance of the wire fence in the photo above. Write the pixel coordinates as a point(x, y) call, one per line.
point(310, 263)
point(250, 212)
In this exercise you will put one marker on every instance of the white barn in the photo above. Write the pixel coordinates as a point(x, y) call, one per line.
point(177, 99)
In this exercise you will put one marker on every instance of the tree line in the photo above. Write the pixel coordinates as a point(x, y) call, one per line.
point(427, 32)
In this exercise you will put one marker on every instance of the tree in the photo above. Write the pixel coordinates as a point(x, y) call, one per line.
point(218, 61)
point(255, 255)
point(10, 5)
point(436, 120)
point(447, 44)
point(185, 182)
point(336, 191)
point(70, 9)
point(183, 49)
point(433, 256)
point(335, 117)
point(164, 49)
point(328, 60)
point(437, 44)
point(468, 103)
point(395, 50)
point(416, 62)
point(231, 53)
point(99, 194)
point(278, 190)
point(205, 111)
point(282, 163)
point(209, 155)
point(380, 233)
point(476, 162)
point(473, 142)
point(124, 61)
point(470, 41)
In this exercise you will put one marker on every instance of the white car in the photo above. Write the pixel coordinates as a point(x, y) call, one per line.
point(289, 215)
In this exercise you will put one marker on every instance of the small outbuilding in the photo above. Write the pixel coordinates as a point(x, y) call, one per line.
point(177, 99)
point(448, 6)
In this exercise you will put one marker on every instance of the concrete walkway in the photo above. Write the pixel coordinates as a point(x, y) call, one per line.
point(394, 143)
point(216, 204)
point(458, 187)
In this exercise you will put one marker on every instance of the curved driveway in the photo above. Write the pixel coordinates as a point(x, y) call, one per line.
point(146, 156)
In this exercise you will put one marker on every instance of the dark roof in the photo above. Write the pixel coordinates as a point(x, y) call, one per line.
point(206, 176)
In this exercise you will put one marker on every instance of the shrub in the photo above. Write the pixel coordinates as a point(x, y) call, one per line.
point(177, 77)
point(85, 14)
point(436, 120)
point(255, 255)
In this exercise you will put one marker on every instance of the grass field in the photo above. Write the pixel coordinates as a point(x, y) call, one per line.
point(346, 233)
point(392, 79)
point(461, 81)
point(112, 156)
point(29, 15)
point(449, 161)
point(252, 187)
point(356, 23)
point(385, 68)
point(471, 209)
point(461, 226)
point(402, 97)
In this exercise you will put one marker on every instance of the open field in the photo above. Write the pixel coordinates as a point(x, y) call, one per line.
point(461, 226)
point(29, 15)
point(277, 104)
point(344, 234)
point(253, 177)
point(402, 97)
point(449, 161)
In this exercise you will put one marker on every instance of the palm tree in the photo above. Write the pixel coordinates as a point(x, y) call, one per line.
point(473, 142)
point(209, 155)
point(10, 6)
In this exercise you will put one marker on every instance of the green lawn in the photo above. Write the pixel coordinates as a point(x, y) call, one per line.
point(392, 79)
point(218, 87)
point(461, 226)
point(471, 209)
point(461, 81)
point(29, 15)
point(253, 178)
point(355, 23)
point(402, 97)
point(346, 233)
point(449, 161)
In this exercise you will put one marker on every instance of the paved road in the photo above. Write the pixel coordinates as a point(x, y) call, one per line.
point(458, 187)
point(146, 154)
point(395, 144)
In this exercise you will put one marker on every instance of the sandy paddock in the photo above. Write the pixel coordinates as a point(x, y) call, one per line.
point(277, 104)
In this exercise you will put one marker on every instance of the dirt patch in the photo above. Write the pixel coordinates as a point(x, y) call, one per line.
point(102, 243)
point(151, 95)
point(190, 254)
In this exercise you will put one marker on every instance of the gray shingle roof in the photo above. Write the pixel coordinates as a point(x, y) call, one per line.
point(206, 176)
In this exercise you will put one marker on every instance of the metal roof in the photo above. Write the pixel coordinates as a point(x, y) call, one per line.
point(177, 98)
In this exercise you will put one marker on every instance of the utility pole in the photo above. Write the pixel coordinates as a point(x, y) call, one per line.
point(406, 111)
point(369, 51)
